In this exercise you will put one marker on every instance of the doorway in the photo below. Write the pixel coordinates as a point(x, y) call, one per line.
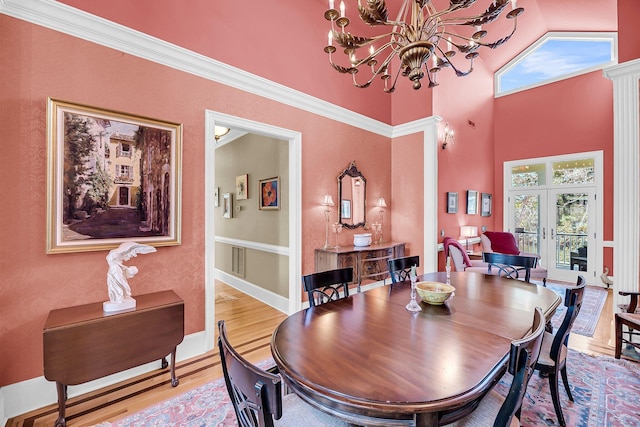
point(293, 191)
point(553, 209)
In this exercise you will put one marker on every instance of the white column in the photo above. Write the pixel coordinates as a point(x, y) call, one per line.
point(626, 178)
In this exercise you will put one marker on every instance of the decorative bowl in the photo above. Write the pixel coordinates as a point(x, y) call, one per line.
point(434, 293)
point(363, 239)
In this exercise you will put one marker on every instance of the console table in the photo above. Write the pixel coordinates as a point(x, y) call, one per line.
point(83, 343)
point(368, 262)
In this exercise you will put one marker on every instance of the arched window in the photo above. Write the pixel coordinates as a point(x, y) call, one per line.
point(556, 56)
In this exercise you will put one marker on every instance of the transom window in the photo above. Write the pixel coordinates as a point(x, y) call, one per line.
point(556, 56)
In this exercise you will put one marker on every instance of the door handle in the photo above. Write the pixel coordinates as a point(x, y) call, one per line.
point(552, 234)
point(544, 233)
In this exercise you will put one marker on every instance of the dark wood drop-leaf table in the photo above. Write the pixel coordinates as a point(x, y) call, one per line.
point(368, 360)
point(83, 343)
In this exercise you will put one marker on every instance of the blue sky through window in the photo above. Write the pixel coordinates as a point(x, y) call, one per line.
point(556, 57)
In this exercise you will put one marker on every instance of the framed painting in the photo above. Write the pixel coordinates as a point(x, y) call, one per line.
point(452, 202)
point(345, 209)
point(242, 191)
point(472, 202)
point(485, 204)
point(111, 177)
point(269, 191)
point(227, 205)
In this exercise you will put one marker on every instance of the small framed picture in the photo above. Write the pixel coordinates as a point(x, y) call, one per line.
point(242, 191)
point(227, 205)
point(486, 204)
point(216, 197)
point(472, 202)
point(269, 193)
point(452, 202)
point(345, 209)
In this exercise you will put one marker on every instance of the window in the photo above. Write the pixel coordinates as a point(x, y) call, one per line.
point(556, 56)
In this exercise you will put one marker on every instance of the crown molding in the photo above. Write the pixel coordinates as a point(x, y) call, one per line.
point(76, 23)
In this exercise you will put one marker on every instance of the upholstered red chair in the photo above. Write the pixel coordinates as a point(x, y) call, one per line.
point(505, 243)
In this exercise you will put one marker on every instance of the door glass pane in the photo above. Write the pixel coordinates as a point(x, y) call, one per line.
point(527, 222)
point(572, 224)
point(528, 175)
point(573, 172)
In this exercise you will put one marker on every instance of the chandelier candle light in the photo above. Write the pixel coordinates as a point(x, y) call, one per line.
point(327, 202)
point(424, 39)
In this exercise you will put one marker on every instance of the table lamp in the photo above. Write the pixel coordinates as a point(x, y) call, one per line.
point(380, 203)
point(327, 202)
point(468, 231)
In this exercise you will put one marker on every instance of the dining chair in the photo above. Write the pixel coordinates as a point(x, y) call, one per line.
point(511, 266)
point(400, 268)
point(505, 242)
point(629, 318)
point(257, 396)
point(553, 356)
point(501, 411)
point(325, 286)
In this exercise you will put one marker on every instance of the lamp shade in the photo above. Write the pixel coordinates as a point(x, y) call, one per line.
point(381, 203)
point(327, 200)
point(468, 231)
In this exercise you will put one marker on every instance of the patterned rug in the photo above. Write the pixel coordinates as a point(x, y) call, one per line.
point(606, 393)
point(592, 304)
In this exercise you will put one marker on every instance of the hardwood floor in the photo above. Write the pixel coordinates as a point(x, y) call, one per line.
point(250, 324)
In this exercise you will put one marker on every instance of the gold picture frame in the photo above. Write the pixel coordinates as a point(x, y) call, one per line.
point(111, 177)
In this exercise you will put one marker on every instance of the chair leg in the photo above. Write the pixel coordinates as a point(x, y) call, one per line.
point(565, 380)
point(553, 385)
point(618, 337)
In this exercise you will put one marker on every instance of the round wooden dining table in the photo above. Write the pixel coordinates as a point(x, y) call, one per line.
point(368, 360)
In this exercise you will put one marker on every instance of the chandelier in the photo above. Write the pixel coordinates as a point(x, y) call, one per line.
point(424, 39)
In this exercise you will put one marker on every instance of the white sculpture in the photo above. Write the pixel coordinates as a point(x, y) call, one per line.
point(117, 284)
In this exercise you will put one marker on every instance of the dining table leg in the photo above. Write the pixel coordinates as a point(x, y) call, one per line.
point(427, 419)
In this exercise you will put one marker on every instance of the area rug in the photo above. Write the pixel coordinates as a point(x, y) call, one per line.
point(606, 393)
point(592, 304)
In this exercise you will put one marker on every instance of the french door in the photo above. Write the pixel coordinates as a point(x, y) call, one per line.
point(559, 225)
point(552, 206)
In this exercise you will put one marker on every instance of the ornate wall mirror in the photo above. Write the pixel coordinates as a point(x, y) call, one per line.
point(352, 190)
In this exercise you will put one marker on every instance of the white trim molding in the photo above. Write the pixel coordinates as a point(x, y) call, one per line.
point(626, 178)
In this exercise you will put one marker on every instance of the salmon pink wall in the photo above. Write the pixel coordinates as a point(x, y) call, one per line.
point(629, 40)
point(407, 198)
point(467, 163)
point(225, 31)
point(569, 116)
point(40, 63)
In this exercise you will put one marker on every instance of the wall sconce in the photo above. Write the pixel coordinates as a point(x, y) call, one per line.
point(327, 202)
point(468, 231)
point(381, 203)
point(219, 132)
point(447, 136)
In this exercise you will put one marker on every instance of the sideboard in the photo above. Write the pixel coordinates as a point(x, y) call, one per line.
point(82, 343)
point(368, 262)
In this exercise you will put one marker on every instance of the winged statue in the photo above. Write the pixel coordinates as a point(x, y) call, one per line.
point(117, 283)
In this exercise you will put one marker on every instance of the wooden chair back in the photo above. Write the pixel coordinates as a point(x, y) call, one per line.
point(256, 394)
point(400, 268)
point(573, 301)
point(325, 286)
point(522, 360)
point(511, 266)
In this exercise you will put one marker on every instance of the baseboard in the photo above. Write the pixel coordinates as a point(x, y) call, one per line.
point(25, 396)
point(272, 299)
